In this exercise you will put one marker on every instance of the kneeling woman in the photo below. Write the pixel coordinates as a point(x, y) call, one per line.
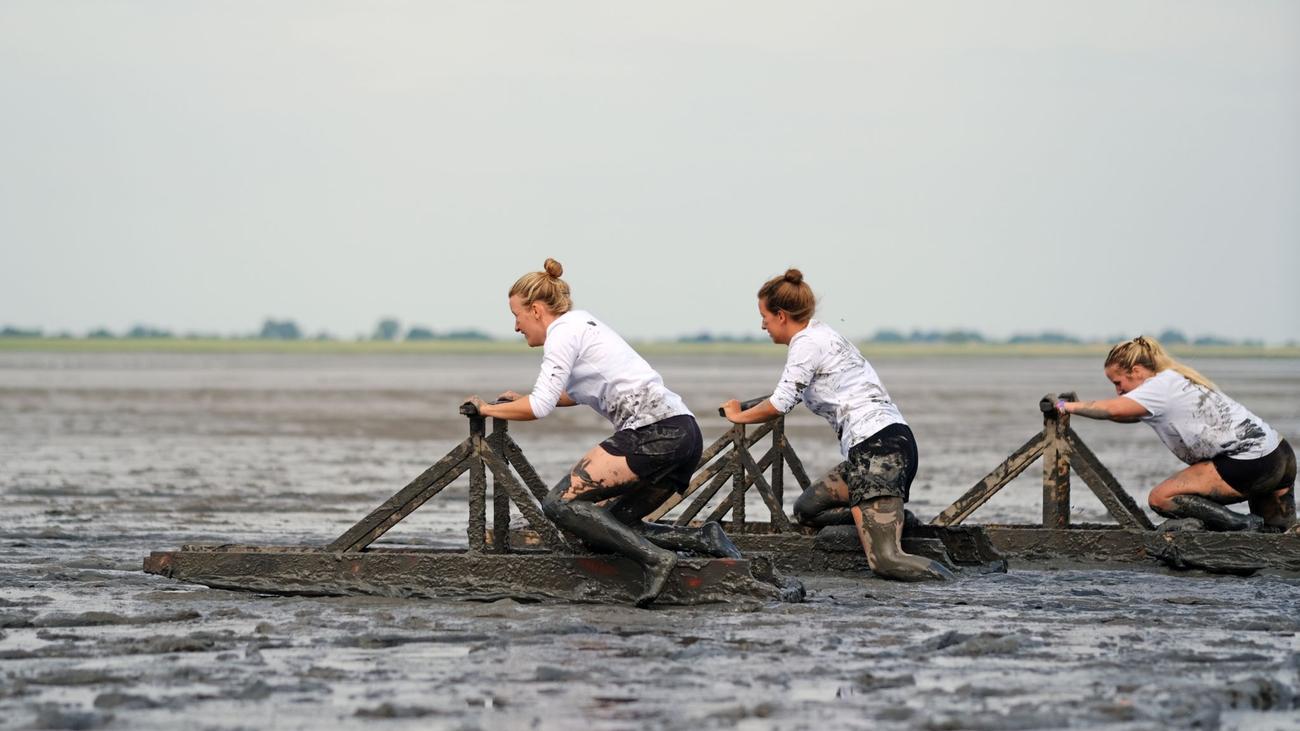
point(1233, 455)
point(652, 454)
point(825, 371)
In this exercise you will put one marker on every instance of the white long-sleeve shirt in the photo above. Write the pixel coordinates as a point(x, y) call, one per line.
point(585, 358)
point(826, 372)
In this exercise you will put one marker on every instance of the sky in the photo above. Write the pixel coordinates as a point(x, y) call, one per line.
point(1091, 167)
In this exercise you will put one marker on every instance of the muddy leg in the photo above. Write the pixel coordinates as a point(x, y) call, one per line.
point(573, 508)
point(1212, 514)
point(1277, 509)
point(880, 527)
point(825, 502)
point(707, 540)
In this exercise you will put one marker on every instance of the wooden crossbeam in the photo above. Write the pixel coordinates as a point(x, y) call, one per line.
point(394, 509)
point(522, 500)
point(992, 482)
point(1103, 484)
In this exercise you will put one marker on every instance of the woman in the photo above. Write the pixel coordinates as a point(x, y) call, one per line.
point(653, 452)
point(826, 371)
point(1233, 455)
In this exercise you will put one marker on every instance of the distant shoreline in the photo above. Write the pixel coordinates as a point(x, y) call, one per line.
point(480, 347)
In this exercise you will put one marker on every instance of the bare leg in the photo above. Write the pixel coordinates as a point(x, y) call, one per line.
point(1199, 492)
point(599, 476)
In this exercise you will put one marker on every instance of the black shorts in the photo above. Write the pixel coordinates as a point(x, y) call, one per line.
point(882, 465)
point(1260, 476)
point(663, 453)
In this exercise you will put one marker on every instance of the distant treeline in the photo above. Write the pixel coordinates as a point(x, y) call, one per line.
point(391, 330)
point(387, 329)
point(963, 337)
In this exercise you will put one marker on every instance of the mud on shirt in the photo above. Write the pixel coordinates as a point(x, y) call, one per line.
point(1197, 423)
point(585, 358)
point(826, 371)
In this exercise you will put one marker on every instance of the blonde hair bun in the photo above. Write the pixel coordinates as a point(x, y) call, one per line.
point(553, 268)
point(793, 276)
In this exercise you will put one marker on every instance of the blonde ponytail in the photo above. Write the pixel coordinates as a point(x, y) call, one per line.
point(1148, 352)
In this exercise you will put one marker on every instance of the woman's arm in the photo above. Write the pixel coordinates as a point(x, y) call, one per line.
point(565, 398)
point(764, 411)
point(1116, 409)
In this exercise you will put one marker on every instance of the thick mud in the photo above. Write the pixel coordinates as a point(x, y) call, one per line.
point(106, 457)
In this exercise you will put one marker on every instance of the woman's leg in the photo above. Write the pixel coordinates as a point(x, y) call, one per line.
point(599, 476)
point(880, 529)
point(824, 504)
point(1199, 492)
point(706, 540)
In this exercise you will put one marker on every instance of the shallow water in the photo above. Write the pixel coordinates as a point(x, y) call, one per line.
point(106, 457)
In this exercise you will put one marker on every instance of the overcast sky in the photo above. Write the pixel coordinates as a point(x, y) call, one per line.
point(1093, 167)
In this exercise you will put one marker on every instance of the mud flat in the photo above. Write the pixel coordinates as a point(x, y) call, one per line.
point(106, 458)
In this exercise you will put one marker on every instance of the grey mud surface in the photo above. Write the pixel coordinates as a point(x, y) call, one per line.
point(106, 457)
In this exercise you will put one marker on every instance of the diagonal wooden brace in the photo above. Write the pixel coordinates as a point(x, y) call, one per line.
point(522, 499)
point(994, 481)
point(406, 500)
point(1103, 484)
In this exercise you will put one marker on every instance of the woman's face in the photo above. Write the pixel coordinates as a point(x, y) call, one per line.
point(528, 320)
point(1126, 381)
point(777, 324)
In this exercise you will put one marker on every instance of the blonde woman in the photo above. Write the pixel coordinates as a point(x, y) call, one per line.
point(1233, 455)
point(826, 371)
point(653, 452)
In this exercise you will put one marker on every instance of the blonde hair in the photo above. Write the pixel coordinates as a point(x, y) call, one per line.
point(1147, 352)
point(789, 293)
point(545, 287)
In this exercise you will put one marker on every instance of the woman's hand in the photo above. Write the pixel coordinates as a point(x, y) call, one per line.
point(730, 409)
point(509, 396)
point(478, 403)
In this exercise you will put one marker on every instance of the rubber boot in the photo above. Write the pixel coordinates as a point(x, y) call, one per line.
point(882, 522)
point(596, 527)
point(1215, 516)
point(707, 540)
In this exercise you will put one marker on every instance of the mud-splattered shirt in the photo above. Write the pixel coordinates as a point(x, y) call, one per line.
point(826, 371)
point(585, 358)
point(1198, 423)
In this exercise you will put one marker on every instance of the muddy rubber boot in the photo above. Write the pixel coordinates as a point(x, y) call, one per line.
point(598, 528)
point(882, 520)
point(1180, 525)
point(1216, 517)
point(707, 540)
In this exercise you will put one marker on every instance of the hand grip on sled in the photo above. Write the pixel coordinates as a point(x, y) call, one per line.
point(746, 405)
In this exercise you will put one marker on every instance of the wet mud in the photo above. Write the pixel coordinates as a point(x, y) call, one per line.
point(106, 458)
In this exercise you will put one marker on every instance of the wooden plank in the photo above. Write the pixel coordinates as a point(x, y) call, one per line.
point(1056, 472)
point(515, 456)
point(992, 482)
point(1122, 507)
point(703, 497)
point(429, 483)
point(796, 466)
point(738, 478)
point(524, 501)
point(778, 464)
point(755, 476)
point(500, 495)
point(476, 529)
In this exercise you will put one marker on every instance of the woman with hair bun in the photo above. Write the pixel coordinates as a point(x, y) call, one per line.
point(652, 454)
point(1233, 455)
point(826, 371)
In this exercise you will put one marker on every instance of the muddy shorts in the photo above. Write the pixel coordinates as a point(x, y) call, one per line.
point(882, 465)
point(663, 453)
point(1258, 477)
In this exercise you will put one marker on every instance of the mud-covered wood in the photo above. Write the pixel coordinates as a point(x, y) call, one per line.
point(1056, 472)
point(394, 509)
point(506, 446)
point(738, 483)
point(778, 464)
point(500, 494)
point(986, 488)
point(524, 501)
point(1103, 484)
point(796, 466)
point(477, 486)
point(754, 476)
point(480, 576)
point(702, 497)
